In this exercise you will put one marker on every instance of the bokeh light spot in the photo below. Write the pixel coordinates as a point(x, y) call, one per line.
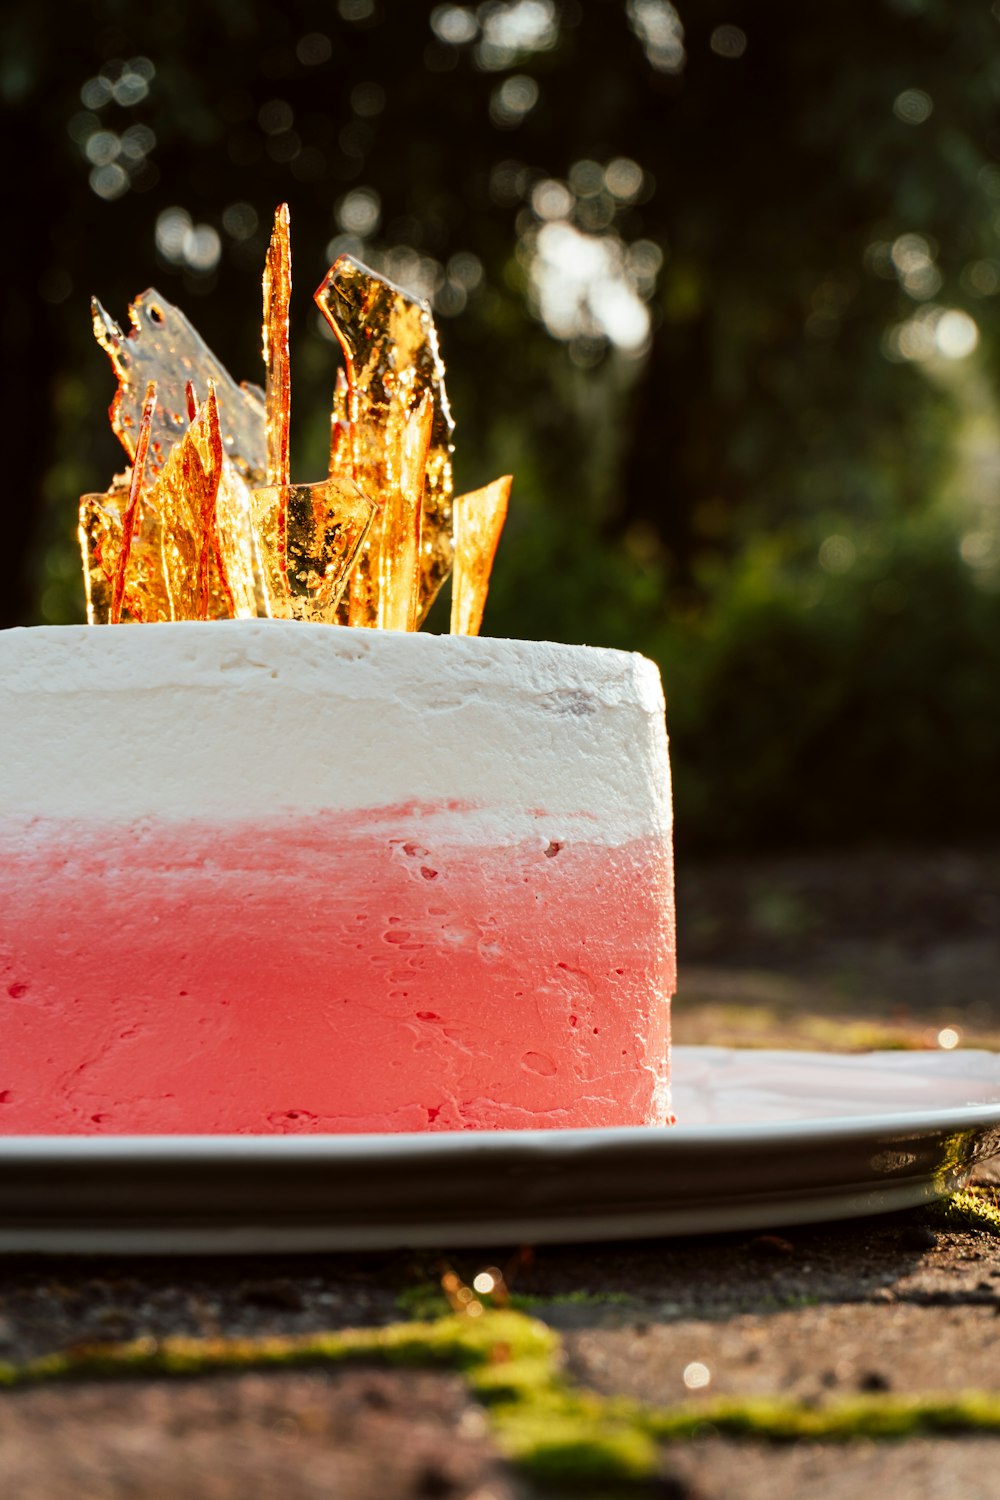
point(313, 49)
point(514, 29)
point(137, 142)
point(956, 334)
point(659, 28)
point(454, 24)
point(196, 247)
point(697, 1376)
point(623, 178)
point(103, 146)
point(583, 291)
point(913, 106)
point(515, 98)
point(359, 211)
point(586, 177)
point(275, 116)
point(109, 182)
point(239, 220)
point(96, 92)
point(171, 227)
point(837, 554)
point(551, 199)
point(202, 248)
point(728, 41)
point(982, 278)
point(465, 270)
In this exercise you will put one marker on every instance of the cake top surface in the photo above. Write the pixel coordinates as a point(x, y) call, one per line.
point(68, 659)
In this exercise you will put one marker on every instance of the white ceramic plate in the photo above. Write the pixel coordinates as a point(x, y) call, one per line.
point(764, 1139)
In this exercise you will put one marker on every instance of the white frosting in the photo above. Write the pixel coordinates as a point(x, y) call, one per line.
point(241, 719)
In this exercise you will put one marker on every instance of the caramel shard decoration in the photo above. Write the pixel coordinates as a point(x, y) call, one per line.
point(401, 517)
point(478, 517)
point(178, 566)
point(340, 428)
point(385, 584)
point(277, 296)
point(196, 561)
point(309, 536)
point(100, 533)
point(392, 361)
point(237, 543)
point(134, 491)
point(207, 524)
point(163, 346)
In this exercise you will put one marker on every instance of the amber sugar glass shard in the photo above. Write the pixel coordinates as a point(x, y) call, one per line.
point(479, 519)
point(385, 583)
point(392, 362)
point(400, 523)
point(277, 296)
point(164, 347)
point(238, 553)
point(131, 509)
point(146, 595)
point(100, 536)
point(308, 538)
point(175, 570)
point(340, 429)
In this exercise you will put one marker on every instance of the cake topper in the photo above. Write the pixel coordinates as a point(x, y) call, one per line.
point(206, 522)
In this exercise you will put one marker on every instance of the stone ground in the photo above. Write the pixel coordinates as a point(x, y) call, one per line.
point(848, 952)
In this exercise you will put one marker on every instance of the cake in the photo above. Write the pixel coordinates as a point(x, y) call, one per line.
point(272, 876)
point(272, 861)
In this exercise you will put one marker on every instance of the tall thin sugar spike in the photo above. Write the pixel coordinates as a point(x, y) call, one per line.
point(277, 296)
point(479, 519)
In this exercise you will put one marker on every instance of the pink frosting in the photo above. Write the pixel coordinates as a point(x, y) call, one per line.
point(340, 973)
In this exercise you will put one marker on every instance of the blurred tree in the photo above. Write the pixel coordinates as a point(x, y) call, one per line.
point(717, 282)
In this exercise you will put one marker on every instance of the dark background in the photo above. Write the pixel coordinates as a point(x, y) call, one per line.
point(718, 283)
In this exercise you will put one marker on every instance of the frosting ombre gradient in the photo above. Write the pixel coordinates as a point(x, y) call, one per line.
point(268, 876)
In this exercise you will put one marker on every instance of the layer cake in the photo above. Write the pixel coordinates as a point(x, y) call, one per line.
point(262, 876)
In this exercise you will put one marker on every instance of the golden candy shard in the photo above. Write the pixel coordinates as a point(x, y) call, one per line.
point(308, 538)
point(392, 361)
point(163, 346)
point(207, 523)
point(340, 428)
point(171, 559)
point(238, 544)
point(385, 584)
point(134, 492)
point(99, 534)
point(277, 296)
point(402, 524)
point(479, 519)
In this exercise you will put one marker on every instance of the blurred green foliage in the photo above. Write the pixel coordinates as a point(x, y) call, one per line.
point(717, 283)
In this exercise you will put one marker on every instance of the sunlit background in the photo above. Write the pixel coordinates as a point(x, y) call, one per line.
point(719, 283)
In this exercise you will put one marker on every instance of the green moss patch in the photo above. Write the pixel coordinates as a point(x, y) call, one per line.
point(975, 1209)
point(570, 1438)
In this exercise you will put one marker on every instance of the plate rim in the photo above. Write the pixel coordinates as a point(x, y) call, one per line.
point(166, 1195)
point(654, 1139)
